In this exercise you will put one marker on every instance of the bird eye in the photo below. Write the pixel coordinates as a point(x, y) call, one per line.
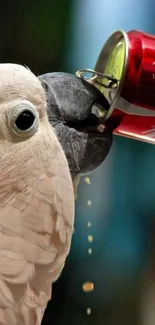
point(25, 120)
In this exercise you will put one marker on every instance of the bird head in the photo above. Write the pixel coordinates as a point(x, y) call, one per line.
point(72, 106)
point(28, 145)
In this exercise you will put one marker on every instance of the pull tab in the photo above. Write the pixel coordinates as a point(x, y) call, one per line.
point(95, 78)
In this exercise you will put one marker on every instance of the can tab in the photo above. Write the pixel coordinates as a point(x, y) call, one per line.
point(97, 77)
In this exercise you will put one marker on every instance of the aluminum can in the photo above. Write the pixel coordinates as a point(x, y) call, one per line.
point(129, 58)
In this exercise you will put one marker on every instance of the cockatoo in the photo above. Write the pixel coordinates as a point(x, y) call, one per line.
point(36, 199)
point(72, 108)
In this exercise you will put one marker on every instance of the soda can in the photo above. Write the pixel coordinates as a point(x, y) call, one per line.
point(125, 74)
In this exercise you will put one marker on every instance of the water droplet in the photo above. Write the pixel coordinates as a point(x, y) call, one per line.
point(88, 286)
point(89, 224)
point(87, 180)
point(88, 311)
point(90, 238)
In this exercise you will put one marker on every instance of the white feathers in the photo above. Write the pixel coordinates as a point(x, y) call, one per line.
point(36, 203)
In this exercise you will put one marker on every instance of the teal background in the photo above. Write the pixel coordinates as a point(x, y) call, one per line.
point(121, 190)
point(66, 36)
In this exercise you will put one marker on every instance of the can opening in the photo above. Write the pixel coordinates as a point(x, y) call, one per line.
point(110, 68)
point(113, 68)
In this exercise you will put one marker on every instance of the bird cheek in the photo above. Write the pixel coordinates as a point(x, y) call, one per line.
point(4, 134)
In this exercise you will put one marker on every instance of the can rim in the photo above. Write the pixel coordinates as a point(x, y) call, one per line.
point(104, 54)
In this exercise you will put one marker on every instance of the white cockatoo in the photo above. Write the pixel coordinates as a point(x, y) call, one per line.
point(36, 199)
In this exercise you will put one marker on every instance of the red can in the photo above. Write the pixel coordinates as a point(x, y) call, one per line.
point(129, 58)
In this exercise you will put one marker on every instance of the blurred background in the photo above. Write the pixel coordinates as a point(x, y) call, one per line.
point(109, 277)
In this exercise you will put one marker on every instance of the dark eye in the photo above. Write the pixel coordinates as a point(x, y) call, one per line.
point(25, 120)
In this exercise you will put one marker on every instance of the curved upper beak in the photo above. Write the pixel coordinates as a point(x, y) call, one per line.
point(73, 97)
